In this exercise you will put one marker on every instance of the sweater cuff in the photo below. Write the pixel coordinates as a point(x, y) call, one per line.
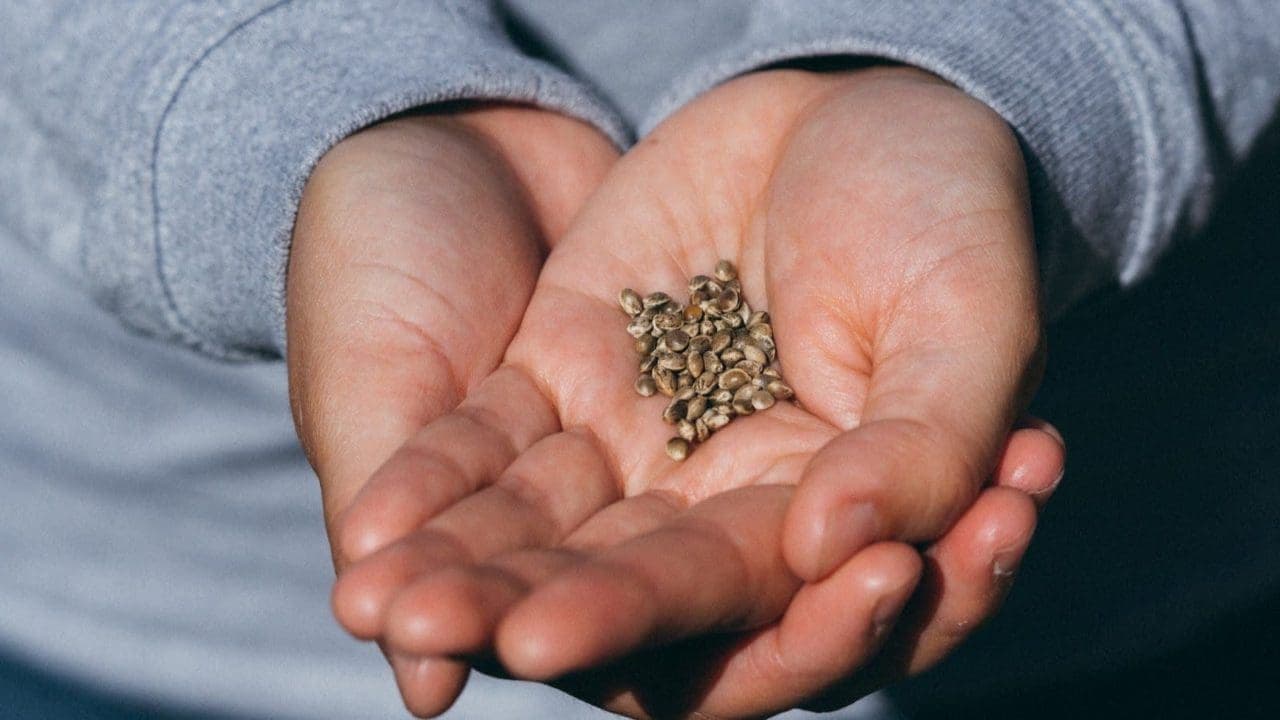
point(256, 111)
point(1061, 74)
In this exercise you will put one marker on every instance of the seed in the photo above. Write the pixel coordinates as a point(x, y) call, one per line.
point(732, 321)
point(697, 297)
point(686, 430)
point(677, 448)
point(755, 354)
point(720, 341)
point(744, 393)
point(674, 412)
point(645, 386)
point(704, 383)
point(684, 380)
point(658, 299)
point(706, 328)
point(700, 343)
point(697, 406)
point(744, 312)
point(780, 390)
point(685, 393)
point(725, 271)
point(721, 397)
point(758, 382)
point(668, 360)
point(725, 409)
point(630, 301)
point(639, 326)
point(751, 367)
point(677, 340)
point(734, 284)
point(648, 363)
point(693, 313)
point(712, 288)
point(717, 421)
point(700, 430)
point(743, 407)
point(667, 321)
point(728, 301)
point(693, 361)
point(733, 379)
point(645, 344)
point(697, 282)
point(771, 373)
point(712, 362)
point(760, 317)
point(665, 381)
point(762, 400)
point(731, 356)
point(760, 330)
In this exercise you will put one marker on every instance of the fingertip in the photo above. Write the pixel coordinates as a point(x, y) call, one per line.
point(1034, 461)
point(1004, 523)
point(428, 686)
point(358, 599)
point(451, 612)
point(822, 531)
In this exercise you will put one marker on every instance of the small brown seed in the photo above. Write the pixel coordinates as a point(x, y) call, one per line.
point(689, 329)
point(725, 271)
point(639, 326)
point(725, 409)
point(743, 407)
point(731, 356)
point(750, 366)
point(717, 421)
point(686, 430)
point(677, 448)
point(720, 341)
point(700, 343)
point(630, 301)
point(697, 282)
point(685, 393)
point(667, 321)
point(760, 330)
point(732, 321)
point(744, 313)
point(684, 380)
point(693, 313)
point(761, 400)
point(734, 284)
point(733, 379)
point(728, 301)
point(645, 344)
point(712, 289)
point(721, 397)
point(648, 363)
point(677, 340)
point(705, 383)
point(771, 373)
point(754, 354)
point(674, 412)
point(744, 393)
point(665, 381)
point(712, 362)
point(697, 297)
point(780, 390)
point(668, 360)
point(706, 328)
point(658, 299)
point(759, 317)
point(697, 406)
point(693, 361)
point(645, 386)
point(700, 429)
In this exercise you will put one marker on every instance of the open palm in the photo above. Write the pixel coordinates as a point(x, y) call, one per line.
point(880, 216)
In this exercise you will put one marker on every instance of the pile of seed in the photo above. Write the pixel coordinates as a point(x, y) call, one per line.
point(714, 357)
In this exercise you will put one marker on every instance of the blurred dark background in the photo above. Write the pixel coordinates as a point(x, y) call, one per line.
point(1152, 588)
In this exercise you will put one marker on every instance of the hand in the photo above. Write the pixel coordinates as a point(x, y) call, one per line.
point(881, 217)
point(415, 251)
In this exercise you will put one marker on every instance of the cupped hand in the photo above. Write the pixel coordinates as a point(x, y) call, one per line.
point(881, 217)
point(416, 248)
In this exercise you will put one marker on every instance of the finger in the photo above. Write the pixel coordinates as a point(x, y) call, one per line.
point(1033, 460)
point(429, 686)
point(967, 575)
point(715, 568)
point(446, 461)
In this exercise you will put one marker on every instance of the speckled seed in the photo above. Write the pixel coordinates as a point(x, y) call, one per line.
point(733, 379)
point(732, 321)
point(743, 393)
point(761, 400)
point(712, 362)
point(725, 409)
point(728, 301)
point(648, 363)
point(667, 321)
point(693, 313)
point(665, 381)
point(743, 407)
point(693, 361)
point(630, 301)
point(697, 406)
point(760, 317)
point(744, 313)
point(706, 328)
point(645, 386)
point(731, 356)
point(686, 430)
point(760, 330)
point(645, 344)
point(677, 448)
point(771, 373)
point(700, 343)
point(720, 341)
point(697, 282)
point(716, 421)
point(689, 329)
point(721, 397)
point(639, 326)
point(684, 380)
point(725, 271)
point(658, 299)
point(685, 393)
point(674, 412)
point(780, 390)
point(677, 341)
point(705, 383)
point(668, 360)
point(697, 297)
point(751, 366)
point(754, 354)
point(700, 430)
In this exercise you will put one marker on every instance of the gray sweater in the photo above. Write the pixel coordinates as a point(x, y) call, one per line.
point(161, 533)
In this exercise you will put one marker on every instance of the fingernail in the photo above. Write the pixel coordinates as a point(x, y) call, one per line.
point(887, 612)
point(1006, 562)
point(848, 529)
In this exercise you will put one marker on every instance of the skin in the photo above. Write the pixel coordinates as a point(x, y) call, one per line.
point(880, 215)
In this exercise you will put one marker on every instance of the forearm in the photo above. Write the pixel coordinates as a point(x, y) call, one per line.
point(166, 144)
